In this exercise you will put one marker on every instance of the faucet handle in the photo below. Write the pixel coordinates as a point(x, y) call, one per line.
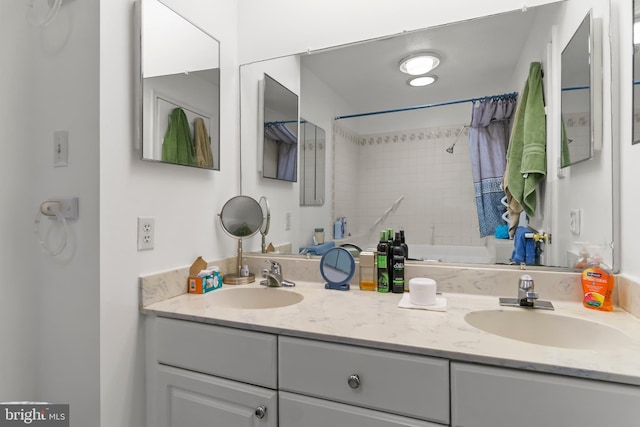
point(275, 266)
point(526, 282)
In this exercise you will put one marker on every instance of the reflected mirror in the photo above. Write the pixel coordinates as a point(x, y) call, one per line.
point(312, 164)
point(179, 92)
point(280, 140)
point(577, 95)
point(388, 141)
point(337, 267)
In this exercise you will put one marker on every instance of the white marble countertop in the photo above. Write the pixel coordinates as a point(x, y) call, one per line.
point(374, 320)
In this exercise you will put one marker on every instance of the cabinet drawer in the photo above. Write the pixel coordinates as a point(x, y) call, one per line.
point(483, 396)
point(405, 384)
point(296, 410)
point(245, 356)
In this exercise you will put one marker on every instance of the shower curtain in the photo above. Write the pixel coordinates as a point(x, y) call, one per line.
point(488, 141)
point(287, 149)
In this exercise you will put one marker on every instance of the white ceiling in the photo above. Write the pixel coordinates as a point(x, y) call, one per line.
point(478, 59)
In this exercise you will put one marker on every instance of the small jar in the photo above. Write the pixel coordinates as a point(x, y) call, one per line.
point(319, 235)
point(368, 271)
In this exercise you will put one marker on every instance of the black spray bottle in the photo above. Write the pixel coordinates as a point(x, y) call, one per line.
point(383, 263)
point(404, 245)
point(398, 266)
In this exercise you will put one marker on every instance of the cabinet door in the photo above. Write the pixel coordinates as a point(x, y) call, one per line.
point(190, 399)
point(302, 411)
point(483, 396)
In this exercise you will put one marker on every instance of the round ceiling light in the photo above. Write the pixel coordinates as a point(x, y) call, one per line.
point(419, 63)
point(422, 81)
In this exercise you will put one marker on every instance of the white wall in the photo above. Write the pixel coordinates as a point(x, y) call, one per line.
point(18, 303)
point(184, 201)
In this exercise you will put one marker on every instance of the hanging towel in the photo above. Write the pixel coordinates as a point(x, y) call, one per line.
point(204, 156)
point(526, 156)
point(177, 146)
point(524, 250)
point(565, 156)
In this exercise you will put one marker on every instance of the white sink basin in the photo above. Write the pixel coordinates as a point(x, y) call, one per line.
point(255, 298)
point(545, 328)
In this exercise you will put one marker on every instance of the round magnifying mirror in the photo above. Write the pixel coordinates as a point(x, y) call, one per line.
point(240, 217)
point(337, 267)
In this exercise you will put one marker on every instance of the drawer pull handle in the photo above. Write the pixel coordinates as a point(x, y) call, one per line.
point(261, 411)
point(354, 381)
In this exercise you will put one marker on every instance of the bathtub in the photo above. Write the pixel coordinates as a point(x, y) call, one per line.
point(448, 253)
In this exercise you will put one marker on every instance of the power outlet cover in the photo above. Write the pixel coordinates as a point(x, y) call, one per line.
point(146, 233)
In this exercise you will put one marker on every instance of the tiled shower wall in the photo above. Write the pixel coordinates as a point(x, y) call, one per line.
point(373, 171)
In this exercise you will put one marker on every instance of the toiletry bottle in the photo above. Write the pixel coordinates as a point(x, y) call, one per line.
point(397, 286)
point(337, 230)
point(390, 265)
point(404, 245)
point(368, 271)
point(318, 234)
point(597, 285)
point(383, 263)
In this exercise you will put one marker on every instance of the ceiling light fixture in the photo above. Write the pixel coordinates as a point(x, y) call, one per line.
point(422, 81)
point(419, 63)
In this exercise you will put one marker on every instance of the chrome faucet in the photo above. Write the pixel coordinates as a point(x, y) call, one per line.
point(273, 277)
point(526, 291)
point(527, 296)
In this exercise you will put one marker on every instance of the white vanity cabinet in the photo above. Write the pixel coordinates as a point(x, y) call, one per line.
point(204, 375)
point(323, 384)
point(483, 396)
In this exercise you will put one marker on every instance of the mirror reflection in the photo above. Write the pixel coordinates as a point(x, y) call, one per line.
point(280, 139)
point(399, 155)
point(312, 164)
point(636, 72)
point(576, 97)
point(180, 74)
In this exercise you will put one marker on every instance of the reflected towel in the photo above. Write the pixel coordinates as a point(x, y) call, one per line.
point(526, 156)
point(177, 146)
point(524, 250)
point(204, 156)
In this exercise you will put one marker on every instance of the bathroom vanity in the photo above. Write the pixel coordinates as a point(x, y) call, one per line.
point(354, 358)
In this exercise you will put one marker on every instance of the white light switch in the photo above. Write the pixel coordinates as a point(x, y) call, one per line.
point(60, 148)
point(574, 221)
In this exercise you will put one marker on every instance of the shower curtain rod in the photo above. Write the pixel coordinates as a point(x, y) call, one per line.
point(419, 107)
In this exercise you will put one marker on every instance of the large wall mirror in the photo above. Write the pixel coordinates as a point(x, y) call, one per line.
point(280, 137)
point(179, 89)
point(398, 155)
point(578, 96)
point(636, 72)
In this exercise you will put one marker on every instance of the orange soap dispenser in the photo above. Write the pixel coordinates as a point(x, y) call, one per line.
point(597, 284)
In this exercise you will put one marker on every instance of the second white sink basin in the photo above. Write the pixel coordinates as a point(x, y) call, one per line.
point(255, 298)
point(544, 328)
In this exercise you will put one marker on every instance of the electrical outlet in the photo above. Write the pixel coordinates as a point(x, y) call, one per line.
point(287, 221)
point(574, 221)
point(146, 231)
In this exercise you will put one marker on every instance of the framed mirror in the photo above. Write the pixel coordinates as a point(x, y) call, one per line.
point(280, 132)
point(178, 89)
point(578, 96)
point(312, 164)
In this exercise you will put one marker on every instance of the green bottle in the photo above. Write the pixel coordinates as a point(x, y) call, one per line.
point(383, 263)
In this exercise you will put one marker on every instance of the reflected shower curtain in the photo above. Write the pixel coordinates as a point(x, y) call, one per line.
point(287, 149)
point(488, 141)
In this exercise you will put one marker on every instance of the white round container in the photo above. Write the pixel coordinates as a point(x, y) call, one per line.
point(422, 291)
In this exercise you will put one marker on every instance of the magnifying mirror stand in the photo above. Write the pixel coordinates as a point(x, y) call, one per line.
point(236, 278)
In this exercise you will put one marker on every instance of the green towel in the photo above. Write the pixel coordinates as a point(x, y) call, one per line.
point(526, 156)
point(177, 146)
point(565, 156)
